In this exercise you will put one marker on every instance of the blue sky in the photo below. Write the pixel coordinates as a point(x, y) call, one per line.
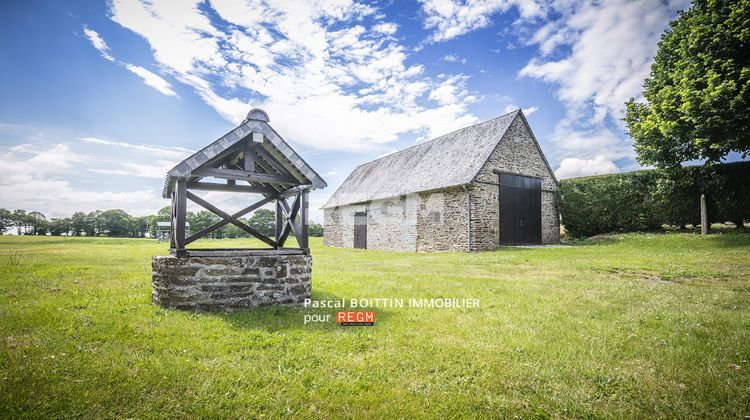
point(99, 99)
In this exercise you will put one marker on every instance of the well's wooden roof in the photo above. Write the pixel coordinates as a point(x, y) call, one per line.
point(275, 155)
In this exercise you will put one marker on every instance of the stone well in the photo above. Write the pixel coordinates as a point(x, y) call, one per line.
point(231, 280)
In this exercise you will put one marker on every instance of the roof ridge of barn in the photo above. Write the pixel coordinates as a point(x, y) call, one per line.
point(413, 169)
point(439, 137)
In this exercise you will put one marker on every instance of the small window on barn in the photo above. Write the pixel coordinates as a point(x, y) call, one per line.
point(435, 216)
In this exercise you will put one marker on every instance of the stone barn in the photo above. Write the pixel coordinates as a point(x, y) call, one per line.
point(474, 189)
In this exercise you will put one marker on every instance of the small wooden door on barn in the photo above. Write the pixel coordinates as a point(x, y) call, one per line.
point(520, 210)
point(360, 230)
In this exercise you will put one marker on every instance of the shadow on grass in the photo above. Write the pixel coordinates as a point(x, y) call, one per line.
point(732, 239)
point(724, 237)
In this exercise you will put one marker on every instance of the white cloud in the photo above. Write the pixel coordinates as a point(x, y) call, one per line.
point(98, 43)
point(609, 48)
point(596, 54)
point(29, 159)
point(309, 64)
point(452, 58)
point(589, 141)
point(174, 153)
point(575, 167)
point(527, 111)
point(452, 18)
point(386, 28)
point(109, 171)
point(550, 36)
point(612, 46)
point(58, 198)
point(149, 78)
point(37, 178)
point(48, 170)
point(447, 92)
point(152, 79)
point(157, 169)
point(140, 160)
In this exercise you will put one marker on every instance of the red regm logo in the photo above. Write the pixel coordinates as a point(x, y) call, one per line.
point(356, 318)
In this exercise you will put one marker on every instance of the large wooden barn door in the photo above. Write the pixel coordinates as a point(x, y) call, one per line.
point(520, 210)
point(360, 230)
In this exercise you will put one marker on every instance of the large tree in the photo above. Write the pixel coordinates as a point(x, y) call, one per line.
point(697, 97)
point(163, 215)
point(80, 223)
point(139, 226)
point(264, 221)
point(114, 223)
point(20, 221)
point(37, 222)
point(6, 220)
point(201, 220)
point(60, 226)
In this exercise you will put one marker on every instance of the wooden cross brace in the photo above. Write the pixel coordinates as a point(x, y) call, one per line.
point(227, 218)
point(289, 224)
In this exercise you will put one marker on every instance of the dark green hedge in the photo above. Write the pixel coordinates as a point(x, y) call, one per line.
point(648, 199)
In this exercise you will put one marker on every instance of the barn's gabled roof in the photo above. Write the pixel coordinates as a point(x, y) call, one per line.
point(447, 161)
point(277, 156)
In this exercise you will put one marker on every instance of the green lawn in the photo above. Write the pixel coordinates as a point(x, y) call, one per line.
point(624, 326)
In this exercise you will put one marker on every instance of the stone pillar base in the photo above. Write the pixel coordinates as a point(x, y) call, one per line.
point(229, 282)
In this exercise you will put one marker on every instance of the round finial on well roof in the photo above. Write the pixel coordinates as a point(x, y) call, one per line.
point(258, 115)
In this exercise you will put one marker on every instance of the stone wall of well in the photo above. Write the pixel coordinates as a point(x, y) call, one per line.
point(231, 282)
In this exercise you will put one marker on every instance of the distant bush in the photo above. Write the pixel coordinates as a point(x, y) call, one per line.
point(645, 200)
point(315, 229)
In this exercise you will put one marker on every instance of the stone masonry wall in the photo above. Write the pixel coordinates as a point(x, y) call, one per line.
point(231, 282)
point(333, 234)
point(391, 224)
point(517, 154)
point(485, 220)
point(339, 225)
point(441, 221)
point(405, 223)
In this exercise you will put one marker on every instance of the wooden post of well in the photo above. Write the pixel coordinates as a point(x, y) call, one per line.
point(704, 216)
point(279, 222)
point(180, 210)
point(304, 216)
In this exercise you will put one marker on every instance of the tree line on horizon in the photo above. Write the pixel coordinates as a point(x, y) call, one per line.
point(118, 223)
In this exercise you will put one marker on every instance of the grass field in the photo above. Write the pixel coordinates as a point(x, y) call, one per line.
point(623, 326)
